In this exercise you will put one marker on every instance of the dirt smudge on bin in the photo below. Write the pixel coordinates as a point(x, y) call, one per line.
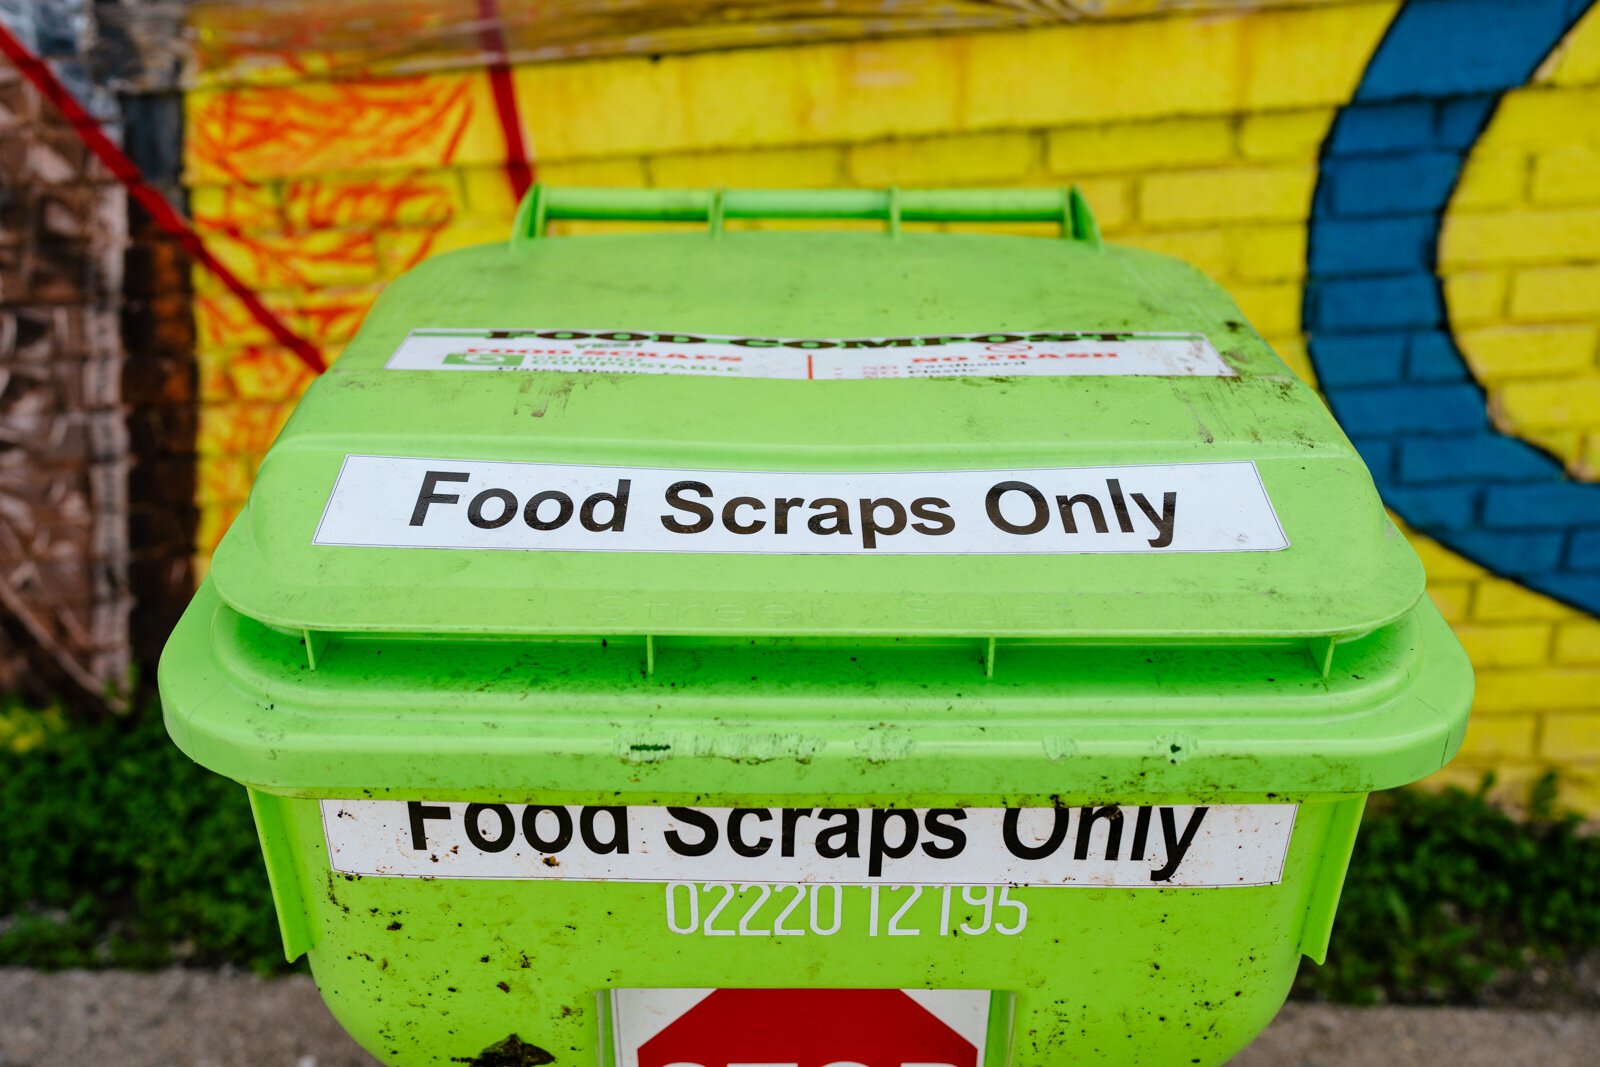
point(512, 1052)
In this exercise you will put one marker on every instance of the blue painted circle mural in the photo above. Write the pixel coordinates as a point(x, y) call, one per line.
point(1379, 333)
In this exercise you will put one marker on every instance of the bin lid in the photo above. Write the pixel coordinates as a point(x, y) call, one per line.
point(867, 432)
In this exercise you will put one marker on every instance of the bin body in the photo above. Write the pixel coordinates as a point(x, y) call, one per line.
point(649, 650)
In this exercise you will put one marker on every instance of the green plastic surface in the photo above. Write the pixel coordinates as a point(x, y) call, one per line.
point(1309, 675)
point(581, 717)
point(1346, 573)
point(1160, 978)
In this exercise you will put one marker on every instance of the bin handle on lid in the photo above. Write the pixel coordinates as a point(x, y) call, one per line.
point(1065, 207)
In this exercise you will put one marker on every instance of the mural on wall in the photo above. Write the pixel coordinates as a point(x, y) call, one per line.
point(1455, 247)
point(1401, 196)
point(1380, 332)
point(64, 549)
point(285, 40)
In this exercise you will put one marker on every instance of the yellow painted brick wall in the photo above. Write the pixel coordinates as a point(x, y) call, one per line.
point(1520, 255)
point(1527, 216)
point(1195, 134)
point(1194, 142)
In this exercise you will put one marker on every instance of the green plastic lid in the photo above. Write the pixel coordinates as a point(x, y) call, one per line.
point(881, 512)
point(1183, 484)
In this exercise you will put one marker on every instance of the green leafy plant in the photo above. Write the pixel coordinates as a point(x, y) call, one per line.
point(1451, 900)
point(120, 852)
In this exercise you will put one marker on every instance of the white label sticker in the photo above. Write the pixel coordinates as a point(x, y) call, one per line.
point(1109, 846)
point(800, 1027)
point(1034, 353)
point(404, 502)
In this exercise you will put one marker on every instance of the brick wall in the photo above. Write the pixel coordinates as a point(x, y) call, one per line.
point(1462, 357)
point(1201, 139)
point(98, 405)
point(63, 502)
point(159, 386)
point(1201, 134)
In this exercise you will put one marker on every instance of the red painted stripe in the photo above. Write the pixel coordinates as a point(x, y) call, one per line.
point(155, 205)
point(491, 34)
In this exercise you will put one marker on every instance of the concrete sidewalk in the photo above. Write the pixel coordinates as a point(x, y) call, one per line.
point(206, 1019)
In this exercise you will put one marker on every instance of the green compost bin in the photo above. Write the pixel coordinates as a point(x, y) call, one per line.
point(888, 646)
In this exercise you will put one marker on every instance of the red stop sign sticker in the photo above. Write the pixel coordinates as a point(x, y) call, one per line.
point(800, 1027)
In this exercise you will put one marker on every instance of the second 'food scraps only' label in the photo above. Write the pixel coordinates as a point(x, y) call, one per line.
point(1105, 846)
point(408, 502)
point(1000, 353)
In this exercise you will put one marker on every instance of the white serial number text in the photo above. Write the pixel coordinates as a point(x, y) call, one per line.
point(759, 909)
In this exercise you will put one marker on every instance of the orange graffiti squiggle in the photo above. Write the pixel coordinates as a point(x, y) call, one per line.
point(416, 196)
point(248, 135)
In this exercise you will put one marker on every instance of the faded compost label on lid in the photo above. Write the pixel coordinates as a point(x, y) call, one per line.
point(1016, 353)
point(410, 502)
